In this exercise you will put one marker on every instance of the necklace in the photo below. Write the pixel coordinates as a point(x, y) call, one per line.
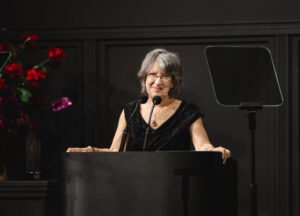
point(154, 123)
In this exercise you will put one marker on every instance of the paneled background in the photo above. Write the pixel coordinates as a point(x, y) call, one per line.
point(105, 43)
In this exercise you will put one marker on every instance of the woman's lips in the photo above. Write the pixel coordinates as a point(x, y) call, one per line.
point(156, 88)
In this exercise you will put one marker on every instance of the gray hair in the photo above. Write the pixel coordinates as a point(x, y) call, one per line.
point(169, 62)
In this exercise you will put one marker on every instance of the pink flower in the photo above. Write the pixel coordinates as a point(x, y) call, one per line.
point(60, 104)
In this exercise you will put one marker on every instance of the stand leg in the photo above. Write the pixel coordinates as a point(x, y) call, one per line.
point(253, 200)
point(185, 194)
point(252, 186)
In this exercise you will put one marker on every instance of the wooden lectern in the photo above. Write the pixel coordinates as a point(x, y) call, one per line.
point(149, 184)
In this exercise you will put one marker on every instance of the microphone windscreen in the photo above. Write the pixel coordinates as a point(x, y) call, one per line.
point(143, 99)
point(156, 100)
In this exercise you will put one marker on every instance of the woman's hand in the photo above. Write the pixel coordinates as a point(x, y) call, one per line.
point(87, 149)
point(225, 152)
point(90, 149)
point(201, 141)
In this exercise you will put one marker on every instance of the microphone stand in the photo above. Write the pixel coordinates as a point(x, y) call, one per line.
point(148, 128)
point(252, 108)
point(156, 100)
point(143, 99)
point(124, 136)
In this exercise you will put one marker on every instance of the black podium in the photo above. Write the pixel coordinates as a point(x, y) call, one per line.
point(149, 184)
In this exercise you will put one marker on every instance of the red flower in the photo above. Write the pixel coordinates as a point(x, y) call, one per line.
point(29, 38)
point(56, 55)
point(34, 75)
point(4, 46)
point(13, 70)
point(2, 85)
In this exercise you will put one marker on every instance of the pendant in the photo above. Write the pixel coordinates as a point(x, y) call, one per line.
point(154, 123)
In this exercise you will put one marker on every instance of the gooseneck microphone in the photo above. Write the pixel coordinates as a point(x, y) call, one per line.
point(156, 100)
point(141, 100)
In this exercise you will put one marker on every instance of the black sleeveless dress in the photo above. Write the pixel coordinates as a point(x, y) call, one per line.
point(172, 135)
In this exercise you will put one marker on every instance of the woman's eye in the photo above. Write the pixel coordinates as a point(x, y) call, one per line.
point(166, 77)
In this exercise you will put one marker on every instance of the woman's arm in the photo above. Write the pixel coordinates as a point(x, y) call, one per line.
point(115, 146)
point(201, 141)
point(88, 149)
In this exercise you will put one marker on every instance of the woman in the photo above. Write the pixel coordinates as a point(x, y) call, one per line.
point(175, 123)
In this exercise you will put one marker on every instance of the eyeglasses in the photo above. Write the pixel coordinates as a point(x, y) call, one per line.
point(153, 76)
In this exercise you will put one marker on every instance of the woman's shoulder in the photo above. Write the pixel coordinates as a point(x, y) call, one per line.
point(187, 104)
point(131, 103)
point(130, 106)
point(190, 108)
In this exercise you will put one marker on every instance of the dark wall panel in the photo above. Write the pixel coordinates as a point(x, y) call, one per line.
point(90, 13)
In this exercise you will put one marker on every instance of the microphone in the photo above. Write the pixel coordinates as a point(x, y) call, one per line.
point(141, 100)
point(156, 100)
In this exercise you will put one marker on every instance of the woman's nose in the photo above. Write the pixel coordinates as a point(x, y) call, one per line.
point(158, 79)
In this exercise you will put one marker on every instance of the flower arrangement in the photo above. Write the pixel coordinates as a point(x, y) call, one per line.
point(20, 85)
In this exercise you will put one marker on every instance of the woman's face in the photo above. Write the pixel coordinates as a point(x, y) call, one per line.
point(157, 82)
